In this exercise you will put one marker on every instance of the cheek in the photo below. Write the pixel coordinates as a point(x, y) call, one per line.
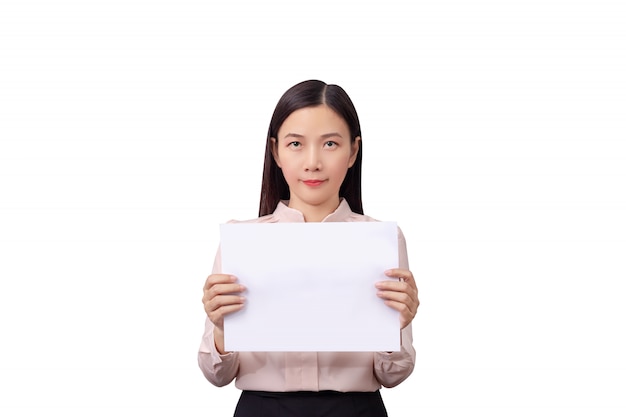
point(344, 162)
point(340, 168)
point(288, 169)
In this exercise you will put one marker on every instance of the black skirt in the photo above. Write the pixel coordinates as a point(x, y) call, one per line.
point(310, 404)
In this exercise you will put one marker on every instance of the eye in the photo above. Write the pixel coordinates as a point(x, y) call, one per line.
point(294, 144)
point(330, 144)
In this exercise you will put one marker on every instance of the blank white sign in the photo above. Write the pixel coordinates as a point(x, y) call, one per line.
point(310, 286)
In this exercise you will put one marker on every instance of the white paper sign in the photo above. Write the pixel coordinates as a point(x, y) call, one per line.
point(310, 286)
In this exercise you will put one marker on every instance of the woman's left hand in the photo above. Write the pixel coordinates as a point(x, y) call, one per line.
point(400, 295)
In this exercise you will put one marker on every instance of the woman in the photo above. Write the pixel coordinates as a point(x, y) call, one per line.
point(312, 173)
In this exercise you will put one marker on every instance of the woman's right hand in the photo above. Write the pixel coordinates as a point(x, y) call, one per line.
point(221, 297)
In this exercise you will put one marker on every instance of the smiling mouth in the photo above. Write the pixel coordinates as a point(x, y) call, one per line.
point(313, 183)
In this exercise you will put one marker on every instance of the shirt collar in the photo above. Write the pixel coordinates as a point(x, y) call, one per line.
point(285, 213)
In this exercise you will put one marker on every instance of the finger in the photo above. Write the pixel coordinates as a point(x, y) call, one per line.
point(394, 286)
point(400, 297)
point(409, 310)
point(219, 289)
point(218, 307)
point(397, 286)
point(403, 274)
point(406, 315)
point(223, 301)
point(219, 279)
point(218, 315)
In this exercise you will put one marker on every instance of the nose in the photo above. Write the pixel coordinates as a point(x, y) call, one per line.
point(312, 161)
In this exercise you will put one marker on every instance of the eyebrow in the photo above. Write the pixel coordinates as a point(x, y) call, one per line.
point(324, 136)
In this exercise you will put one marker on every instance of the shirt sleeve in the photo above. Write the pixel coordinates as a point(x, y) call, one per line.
point(391, 368)
point(219, 369)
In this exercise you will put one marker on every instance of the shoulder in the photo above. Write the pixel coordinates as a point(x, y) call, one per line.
point(270, 218)
point(355, 217)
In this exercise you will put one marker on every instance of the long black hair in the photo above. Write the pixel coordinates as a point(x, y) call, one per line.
point(309, 94)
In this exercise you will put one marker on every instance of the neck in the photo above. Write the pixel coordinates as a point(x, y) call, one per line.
point(313, 213)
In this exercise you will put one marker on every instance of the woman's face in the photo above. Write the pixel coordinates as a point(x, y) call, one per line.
point(314, 151)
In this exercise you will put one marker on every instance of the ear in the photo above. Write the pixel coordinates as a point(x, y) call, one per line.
point(274, 144)
point(355, 150)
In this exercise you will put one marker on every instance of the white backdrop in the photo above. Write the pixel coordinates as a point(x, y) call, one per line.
point(494, 133)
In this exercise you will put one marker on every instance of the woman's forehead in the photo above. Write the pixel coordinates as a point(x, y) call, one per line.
point(315, 121)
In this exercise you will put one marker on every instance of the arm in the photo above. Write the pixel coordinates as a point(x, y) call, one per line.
point(218, 366)
point(391, 368)
point(219, 369)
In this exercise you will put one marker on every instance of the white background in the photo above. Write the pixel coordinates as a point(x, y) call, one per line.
point(494, 133)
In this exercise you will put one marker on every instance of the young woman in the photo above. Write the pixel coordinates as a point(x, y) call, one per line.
point(312, 173)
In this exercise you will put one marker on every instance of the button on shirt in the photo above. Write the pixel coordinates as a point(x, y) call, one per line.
point(309, 371)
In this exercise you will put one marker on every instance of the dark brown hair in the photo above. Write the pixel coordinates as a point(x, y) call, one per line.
point(307, 94)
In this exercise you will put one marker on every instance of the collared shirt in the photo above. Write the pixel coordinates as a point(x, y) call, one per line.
point(309, 371)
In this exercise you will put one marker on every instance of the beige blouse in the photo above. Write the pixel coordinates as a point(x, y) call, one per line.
point(309, 371)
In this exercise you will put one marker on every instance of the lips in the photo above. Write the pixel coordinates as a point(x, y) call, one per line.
point(313, 183)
